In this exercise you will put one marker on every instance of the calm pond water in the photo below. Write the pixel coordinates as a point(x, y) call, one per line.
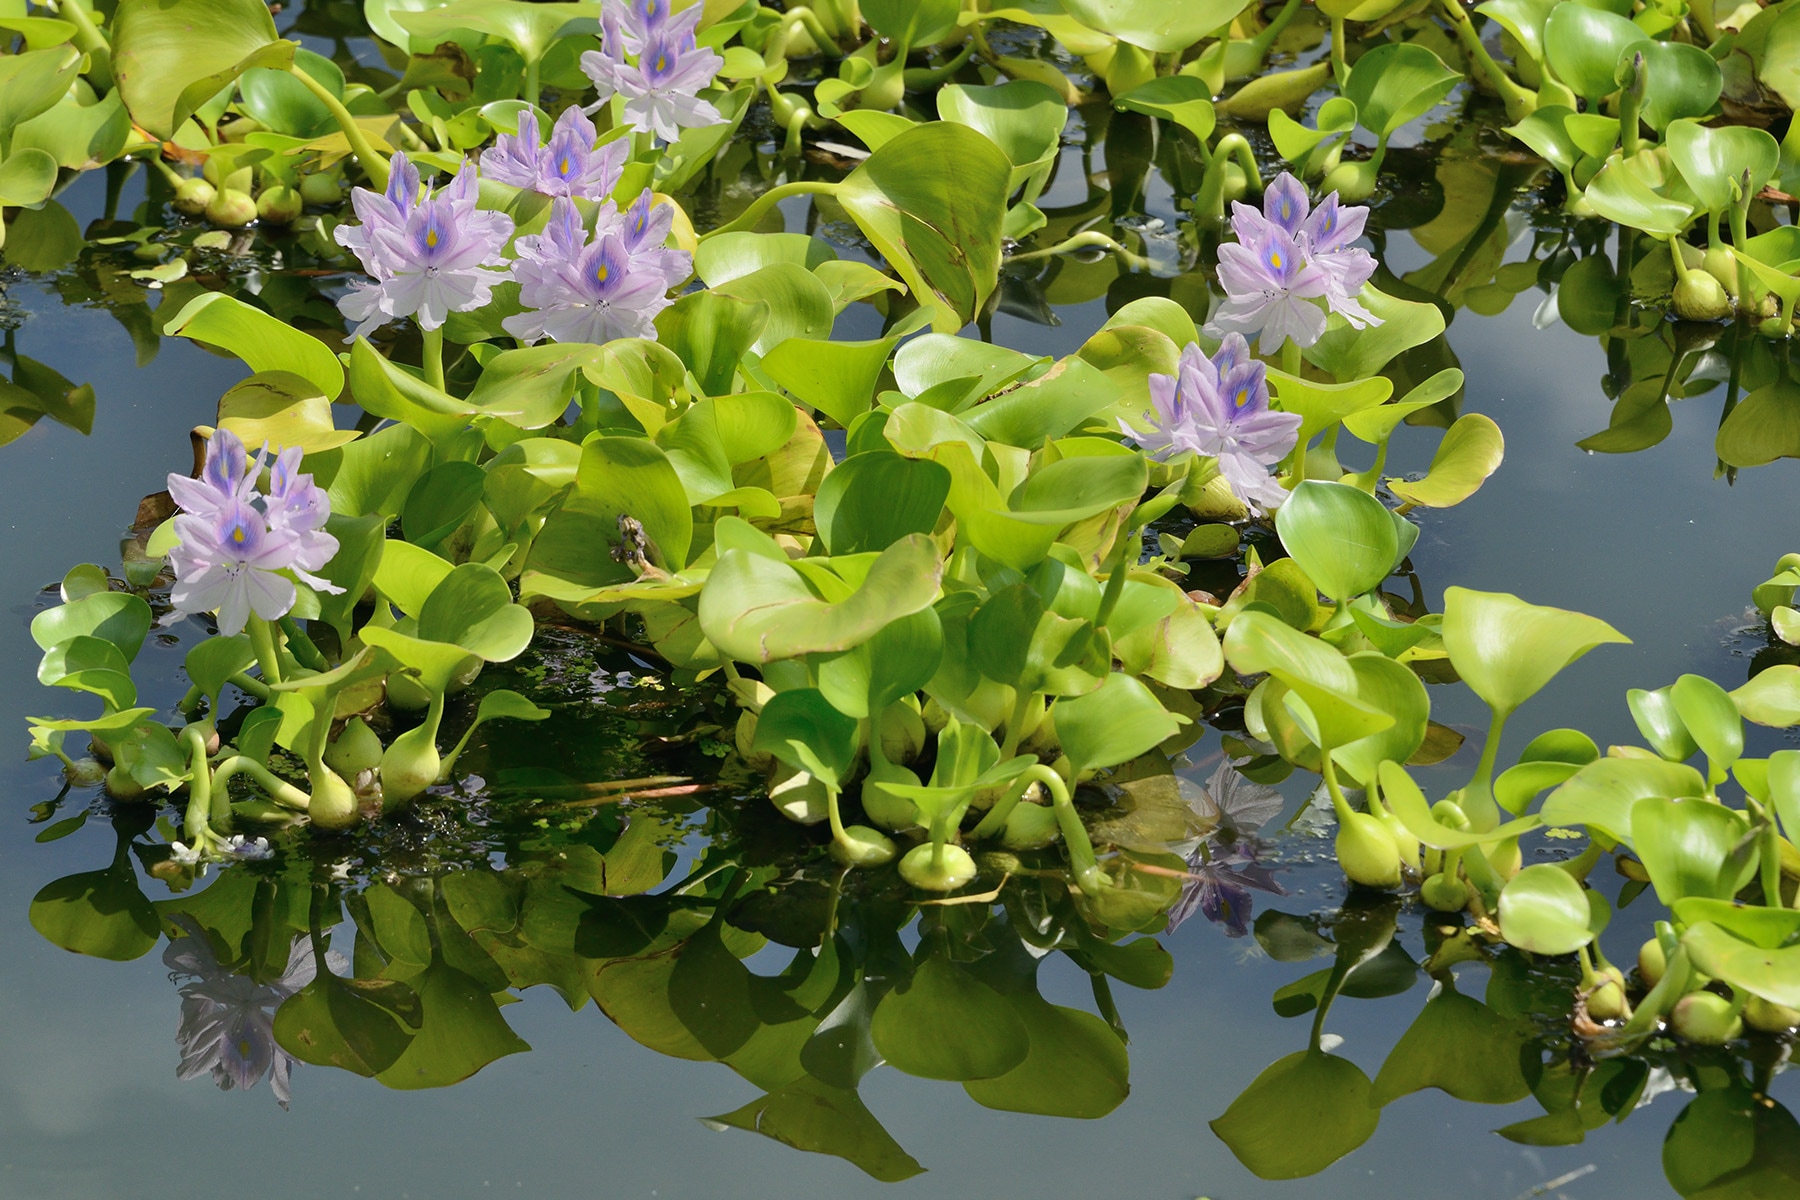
point(90, 1103)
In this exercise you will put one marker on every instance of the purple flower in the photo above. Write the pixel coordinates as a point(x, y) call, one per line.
point(569, 166)
point(429, 256)
point(1219, 884)
point(1231, 801)
point(227, 1025)
point(581, 290)
point(236, 558)
point(661, 88)
point(1269, 287)
point(1219, 407)
point(645, 227)
point(1287, 256)
point(225, 479)
point(637, 21)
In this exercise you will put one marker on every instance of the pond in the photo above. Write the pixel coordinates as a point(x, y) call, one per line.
point(593, 954)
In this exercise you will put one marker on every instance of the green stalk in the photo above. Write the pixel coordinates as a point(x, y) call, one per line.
point(433, 356)
point(809, 21)
point(1290, 359)
point(280, 790)
point(195, 822)
point(769, 199)
point(373, 164)
point(1082, 241)
point(1519, 102)
point(1630, 106)
point(249, 685)
point(262, 640)
point(1238, 147)
point(533, 88)
point(1478, 794)
point(995, 820)
point(1340, 70)
point(89, 40)
point(1771, 863)
point(301, 646)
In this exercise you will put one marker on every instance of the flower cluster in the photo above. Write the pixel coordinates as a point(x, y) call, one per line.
point(649, 56)
point(1219, 407)
point(430, 255)
point(571, 165)
point(227, 1025)
point(241, 552)
point(1286, 258)
point(612, 285)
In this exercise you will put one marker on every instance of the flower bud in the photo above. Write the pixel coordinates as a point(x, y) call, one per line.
point(1705, 1018)
point(949, 872)
point(1366, 852)
point(192, 196)
point(279, 205)
point(410, 765)
point(863, 847)
point(355, 750)
point(1030, 827)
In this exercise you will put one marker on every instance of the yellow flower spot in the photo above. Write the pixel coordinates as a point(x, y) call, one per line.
point(601, 272)
point(564, 165)
point(1243, 396)
point(237, 535)
point(431, 238)
point(1275, 259)
point(662, 62)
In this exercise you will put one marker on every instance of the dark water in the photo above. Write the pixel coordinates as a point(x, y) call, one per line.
point(89, 1100)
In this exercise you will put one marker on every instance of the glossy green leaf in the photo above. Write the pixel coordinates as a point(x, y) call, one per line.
point(711, 332)
point(1460, 1046)
point(1342, 537)
point(1773, 974)
point(1763, 427)
point(1397, 82)
point(1659, 721)
point(1471, 451)
point(1712, 161)
point(1602, 794)
point(1583, 46)
point(1711, 718)
point(1686, 846)
point(528, 28)
point(264, 342)
point(1685, 81)
point(1543, 910)
point(1620, 194)
point(1347, 353)
point(1113, 724)
point(441, 501)
point(1022, 117)
point(932, 200)
point(1159, 28)
point(1772, 697)
point(1506, 650)
point(171, 56)
point(116, 617)
point(812, 1115)
point(873, 500)
point(460, 1032)
point(1183, 99)
point(1076, 1065)
point(103, 914)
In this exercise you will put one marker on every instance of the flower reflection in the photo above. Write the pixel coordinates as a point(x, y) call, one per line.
point(228, 1019)
point(1223, 868)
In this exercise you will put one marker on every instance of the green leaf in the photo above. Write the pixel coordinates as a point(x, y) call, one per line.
point(1342, 537)
point(1583, 46)
point(932, 200)
point(800, 305)
point(1112, 724)
point(1763, 427)
point(872, 500)
point(1076, 1065)
point(1471, 451)
point(172, 56)
point(837, 378)
point(473, 608)
point(44, 239)
point(460, 1032)
point(281, 409)
point(802, 729)
point(1506, 650)
point(1543, 910)
point(103, 914)
point(264, 342)
point(811, 1115)
point(32, 83)
point(618, 476)
point(1710, 716)
point(116, 617)
point(1773, 974)
point(1772, 697)
point(1685, 81)
point(1711, 161)
point(1022, 117)
point(945, 1023)
point(1326, 1096)
point(1397, 82)
point(376, 473)
point(528, 28)
point(1660, 723)
point(1460, 1046)
point(1620, 193)
point(733, 255)
point(213, 662)
point(27, 177)
point(1149, 25)
point(283, 104)
point(1050, 406)
point(1602, 794)
point(711, 332)
point(1183, 99)
point(441, 501)
point(758, 610)
point(1686, 846)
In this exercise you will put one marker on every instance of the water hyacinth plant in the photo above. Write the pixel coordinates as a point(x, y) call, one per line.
point(944, 618)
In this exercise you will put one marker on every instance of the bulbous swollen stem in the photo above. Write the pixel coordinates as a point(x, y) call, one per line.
point(1081, 851)
point(262, 641)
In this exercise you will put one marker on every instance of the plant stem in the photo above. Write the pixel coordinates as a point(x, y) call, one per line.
point(301, 646)
point(433, 356)
point(262, 640)
point(1519, 102)
point(195, 823)
point(1340, 70)
point(373, 164)
point(1478, 794)
point(249, 685)
point(1290, 358)
point(280, 790)
point(533, 89)
point(763, 203)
